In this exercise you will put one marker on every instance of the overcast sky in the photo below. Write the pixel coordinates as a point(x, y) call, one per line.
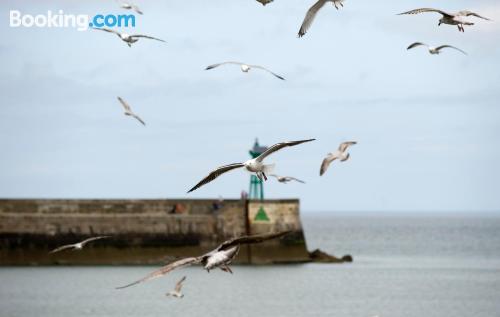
point(427, 126)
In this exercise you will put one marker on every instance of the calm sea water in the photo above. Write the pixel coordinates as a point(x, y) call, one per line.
point(407, 266)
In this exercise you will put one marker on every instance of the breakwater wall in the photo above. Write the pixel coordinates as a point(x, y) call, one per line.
point(149, 231)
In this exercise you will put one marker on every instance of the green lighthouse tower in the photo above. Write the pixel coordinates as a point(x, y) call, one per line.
point(256, 186)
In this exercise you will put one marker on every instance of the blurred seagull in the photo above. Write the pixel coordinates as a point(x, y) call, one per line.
point(264, 2)
point(286, 179)
point(341, 154)
point(128, 110)
point(434, 50)
point(254, 165)
point(311, 14)
point(245, 68)
point(177, 291)
point(79, 245)
point(449, 18)
point(220, 257)
point(129, 38)
point(130, 6)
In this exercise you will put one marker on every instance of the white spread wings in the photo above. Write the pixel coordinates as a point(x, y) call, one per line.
point(279, 146)
point(216, 173)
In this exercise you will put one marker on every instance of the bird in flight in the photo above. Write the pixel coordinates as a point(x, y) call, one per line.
point(79, 245)
point(286, 179)
point(254, 165)
point(434, 50)
point(449, 18)
point(341, 154)
point(244, 68)
point(130, 6)
point(177, 291)
point(264, 2)
point(128, 110)
point(311, 14)
point(220, 257)
point(129, 38)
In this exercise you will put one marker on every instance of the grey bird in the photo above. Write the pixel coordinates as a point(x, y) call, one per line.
point(220, 257)
point(449, 18)
point(264, 2)
point(129, 112)
point(255, 165)
point(79, 245)
point(244, 68)
point(311, 14)
point(434, 50)
point(130, 6)
point(177, 291)
point(341, 154)
point(129, 39)
point(286, 179)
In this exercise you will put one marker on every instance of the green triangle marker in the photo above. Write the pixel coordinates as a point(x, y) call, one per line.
point(261, 215)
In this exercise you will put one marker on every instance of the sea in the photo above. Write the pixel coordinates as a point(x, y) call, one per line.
point(405, 265)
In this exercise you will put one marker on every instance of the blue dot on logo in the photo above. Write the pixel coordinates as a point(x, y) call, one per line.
point(90, 24)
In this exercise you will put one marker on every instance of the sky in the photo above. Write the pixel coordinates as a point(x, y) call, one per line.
point(427, 126)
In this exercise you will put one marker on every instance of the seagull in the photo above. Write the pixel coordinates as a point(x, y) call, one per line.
point(449, 18)
point(128, 110)
point(220, 257)
point(311, 14)
point(177, 291)
point(434, 50)
point(245, 68)
point(130, 6)
point(341, 154)
point(79, 245)
point(129, 38)
point(286, 179)
point(254, 165)
point(264, 2)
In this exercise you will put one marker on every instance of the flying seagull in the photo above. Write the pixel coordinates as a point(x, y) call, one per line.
point(129, 38)
point(130, 6)
point(128, 110)
point(264, 2)
point(254, 165)
point(434, 50)
point(311, 14)
point(286, 179)
point(220, 257)
point(449, 18)
point(245, 68)
point(341, 154)
point(177, 291)
point(79, 245)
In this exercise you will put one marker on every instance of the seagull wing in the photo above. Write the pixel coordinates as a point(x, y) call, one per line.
point(469, 13)
point(166, 269)
point(124, 104)
point(64, 247)
point(449, 46)
point(136, 9)
point(279, 146)
point(326, 162)
point(267, 70)
point(178, 286)
point(343, 146)
point(108, 30)
point(415, 45)
point(223, 63)
point(251, 239)
point(310, 15)
point(422, 10)
point(264, 2)
point(84, 242)
point(147, 37)
point(214, 174)
point(139, 119)
point(297, 180)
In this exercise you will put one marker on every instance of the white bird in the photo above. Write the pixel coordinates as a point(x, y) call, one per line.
point(130, 6)
point(311, 14)
point(220, 257)
point(449, 18)
point(177, 291)
point(341, 154)
point(245, 68)
point(264, 2)
point(254, 165)
point(434, 50)
point(128, 110)
point(286, 179)
point(129, 38)
point(79, 245)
